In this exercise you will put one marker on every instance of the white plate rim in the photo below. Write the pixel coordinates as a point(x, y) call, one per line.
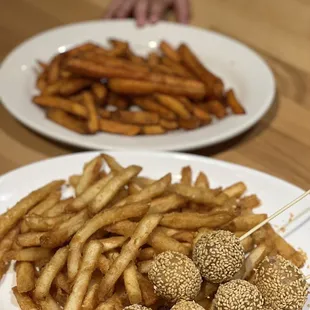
point(185, 144)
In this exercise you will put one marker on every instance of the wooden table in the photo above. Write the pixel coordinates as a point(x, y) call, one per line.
point(278, 30)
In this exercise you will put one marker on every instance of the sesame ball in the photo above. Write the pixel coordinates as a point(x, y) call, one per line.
point(218, 255)
point(281, 283)
point(175, 276)
point(187, 305)
point(136, 307)
point(238, 295)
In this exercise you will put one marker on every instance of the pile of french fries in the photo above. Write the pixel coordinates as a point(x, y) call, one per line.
point(91, 88)
point(94, 249)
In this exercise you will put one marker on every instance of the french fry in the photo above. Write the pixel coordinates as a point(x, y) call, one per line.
point(61, 104)
point(120, 102)
point(202, 181)
point(128, 253)
point(216, 108)
point(100, 92)
point(67, 87)
point(49, 273)
point(168, 203)
point(235, 190)
point(118, 128)
point(144, 266)
point(112, 303)
point(59, 208)
point(149, 104)
point(60, 234)
point(120, 48)
point(7, 241)
point(88, 265)
point(245, 222)
point(91, 301)
point(233, 103)
point(190, 220)
point(138, 118)
point(134, 58)
point(186, 175)
point(90, 174)
point(249, 202)
point(105, 218)
point(299, 259)
point(29, 239)
point(146, 254)
point(184, 236)
point(66, 120)
point(53, 71)
point(93, 120)
point(148, 294)
point(103, 264)
point(132, 284)
point(112, 163)
point(24, 301)
point(25, 277)
point(105, 113)
point(153, 59)
point(46, 204)
point(153, 130)
point(176, 67)
point(13, 215)
point(191, 123)
point(112, 187)
point(174, 105)
point(161, 68)
point(204, 116)
point(169, 51)
point(168, 125)
point(28, 254)
point(90, 193)
point(61, 281)
point(133, 188)
point(81, 49)
point(112, 243)
point(41, 82)
point(49, 303)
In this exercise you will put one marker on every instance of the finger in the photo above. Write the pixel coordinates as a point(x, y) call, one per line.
point(157, 10)
point(182, 9)
point(126, 8)
point(141, 12)
point(112, 8)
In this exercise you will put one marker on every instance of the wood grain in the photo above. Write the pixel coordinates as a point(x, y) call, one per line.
point(278, 30)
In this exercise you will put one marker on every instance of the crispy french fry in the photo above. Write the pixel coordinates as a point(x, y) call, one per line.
point(148, 294)
point(149, 104)
point(112, 303)
point(100, 92)
point(161, 68)
point(24, 301)
point(174, 105)
point(186, 175)
point(118, 128)
point(233, 103)
point(216, 108)
point(169, 51)
point(146, 254)
point(41, 82)
point(81, 49)
point(53, 71)
point(49, 303)
point(132, 284)
point(235, 190)
point(112, 243)
point(67, 87)
point(90, 174)
point(105, 218)
point(61, 104)
point(133, 188)
point(138, 118)
point(191, 123)
point(202, 181)
point(13, 215)
point(46, 204)
point(29, 239)
point(93, 120)
point(66, 120)
point(91, 301)
point(153, 130)
point(61, 281)
point(59, 208)
point(184, 236)
point(168, 125)
point(168, 203)
point(103, 264)
point(112, 187)
point(7, 241)
point(88, 265)
point(246, 222)
point(105, 113)
point(177, 67)
point(25, 277)
point(28, 254)
point(249, 202)
point(204, 116)
point(153, 59)
point(90, 193)
point(128, 253)
point(144, 266)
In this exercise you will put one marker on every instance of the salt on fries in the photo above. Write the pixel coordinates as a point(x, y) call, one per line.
point(93, 89)
point(93, 250)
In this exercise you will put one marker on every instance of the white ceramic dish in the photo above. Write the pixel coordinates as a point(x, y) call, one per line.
point(239, 67)
point(273, 192)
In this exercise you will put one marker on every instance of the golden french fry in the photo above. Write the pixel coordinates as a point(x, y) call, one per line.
point(186, 175)
point(104, 218)
point(176, 67)
point(202, 181)
point(64, 119)
point(25, 277)
point(39, 223)
point(61, 281)
point(24, 301)
point(49, 273)
point(202, 115)
point(90, 301)
point(168, 203)
point(174, 105)
point(118, 128)
point(216, 108)
point(81, 49)
point(90, 174)
point(112, 243)
point(138, 118)
point(169, 125)
point(88, 265)
point(235, 190)
point(144, 266)
point(93, 120)
point(29, 239)
point(28, 254)
point(233, 103)
point(53, 70)
point(13, 215)
point(132, 284)
point(184, 236)
point(153, 130)
point(112, 187)
point(249, 202)
point(246, 222)
point(60, 234)
point(133, 188)
point(59, 208)
point(105, 113)
point(146, 254)
point(148, 294)
point(7, 241)
point(169, 51)
point(100, 92)
point(49, 303)
point(153, 59)
point(61, 104)
point(46, 204)
point(191, 123)
point(112, 303)
point(103, 264)
point(128, 253)
point(67, 87)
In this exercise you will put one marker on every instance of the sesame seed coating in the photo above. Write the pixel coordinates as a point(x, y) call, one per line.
point(136, 307)
point(187, 305)
point(281, 283)
point(218, 255)
point(238, 295)
point(175, 276)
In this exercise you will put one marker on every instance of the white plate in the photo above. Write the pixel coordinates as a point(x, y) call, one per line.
point(273, 192)
point(237, 65)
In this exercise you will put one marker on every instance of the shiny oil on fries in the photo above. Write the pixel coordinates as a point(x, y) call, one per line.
point(94, 250)
point(91, 89)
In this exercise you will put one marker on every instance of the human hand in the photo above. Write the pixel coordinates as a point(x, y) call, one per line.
point(148, 11)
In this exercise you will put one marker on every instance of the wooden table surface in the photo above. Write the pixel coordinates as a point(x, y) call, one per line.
point(278, 30)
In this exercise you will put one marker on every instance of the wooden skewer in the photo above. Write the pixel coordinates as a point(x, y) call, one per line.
point(251, 231)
